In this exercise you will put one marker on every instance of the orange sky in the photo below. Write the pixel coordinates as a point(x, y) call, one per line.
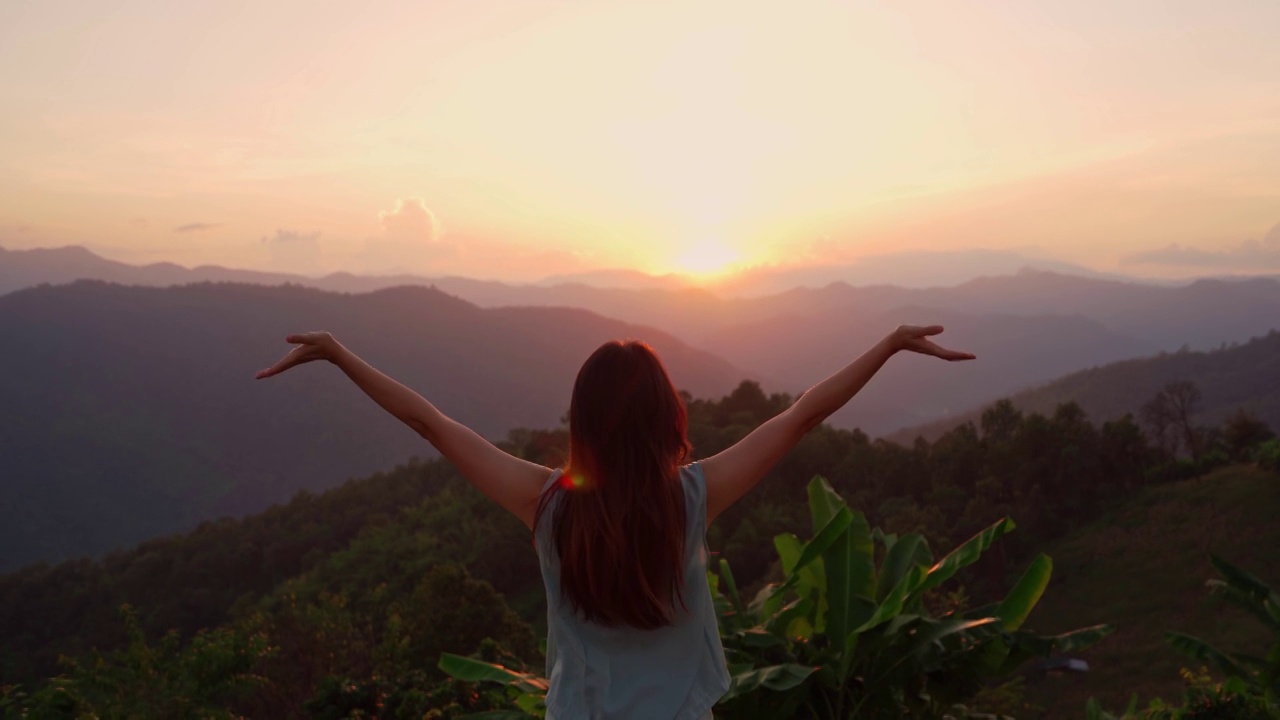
point(526, 138)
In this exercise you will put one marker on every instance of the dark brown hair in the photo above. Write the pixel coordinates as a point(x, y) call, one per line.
point(619, 529)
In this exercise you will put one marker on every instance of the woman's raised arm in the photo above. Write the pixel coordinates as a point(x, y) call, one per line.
point(511, 482)
point(735, 470)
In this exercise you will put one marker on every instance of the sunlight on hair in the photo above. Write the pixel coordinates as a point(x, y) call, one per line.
point(574, 481)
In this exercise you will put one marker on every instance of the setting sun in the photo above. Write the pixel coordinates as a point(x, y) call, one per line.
point(706, 257)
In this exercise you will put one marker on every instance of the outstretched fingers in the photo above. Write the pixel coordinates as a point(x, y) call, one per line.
point(296, 356)
point(937, 350)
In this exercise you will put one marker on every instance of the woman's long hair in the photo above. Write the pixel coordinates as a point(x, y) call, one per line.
point(619, 529)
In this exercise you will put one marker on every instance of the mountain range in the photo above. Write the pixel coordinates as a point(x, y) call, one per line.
point(1027, 328)
point(131, 412)
point(1237, 377)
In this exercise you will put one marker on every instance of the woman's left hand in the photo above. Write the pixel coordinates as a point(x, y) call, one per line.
point(310, 346)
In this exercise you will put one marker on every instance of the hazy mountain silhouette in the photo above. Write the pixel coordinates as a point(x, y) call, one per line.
point(1027, 328)
point(1240, 376)
point(132, 412)
point(1013, 352)
point(911, 269)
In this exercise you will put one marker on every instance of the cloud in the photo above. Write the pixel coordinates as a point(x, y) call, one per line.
point(196, 227)
point(1261, 254)
point(411, 221)
point(293, 251)
point(410, 240)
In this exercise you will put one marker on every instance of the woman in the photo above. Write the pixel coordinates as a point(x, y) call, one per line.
point(620, 531)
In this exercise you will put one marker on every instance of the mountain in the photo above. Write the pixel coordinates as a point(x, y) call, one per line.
point(131, 411)
point(1240, 376)
point(618, 278)
point(1013, 352)
point(911, 269)
point(1027, 328)
point(55, 266)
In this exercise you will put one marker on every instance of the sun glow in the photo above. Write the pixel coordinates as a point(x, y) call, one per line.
point(707, 258)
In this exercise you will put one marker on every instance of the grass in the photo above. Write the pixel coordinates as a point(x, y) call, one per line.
point(1143, 569)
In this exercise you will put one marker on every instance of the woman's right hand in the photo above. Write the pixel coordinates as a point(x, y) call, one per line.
point(310, 346)
point(916, 339)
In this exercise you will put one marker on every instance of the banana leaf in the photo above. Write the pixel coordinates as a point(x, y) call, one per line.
point(965, 555)
point(906, 553)
point(1201, 650)
point(472, 670)
point(849, 562)
point(1022, 599)
point(775, 677)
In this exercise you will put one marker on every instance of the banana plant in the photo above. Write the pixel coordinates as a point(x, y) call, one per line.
point(845, 636)
point(842, 636)
point(526, 691)
point(1246, 673)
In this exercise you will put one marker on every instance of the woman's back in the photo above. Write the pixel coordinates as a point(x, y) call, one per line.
point(595, 671)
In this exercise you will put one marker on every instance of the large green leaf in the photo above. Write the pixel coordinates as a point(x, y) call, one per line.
point(1023, 645)
point(1240, 585)
point(802, 608)
point(812, 551)
point(1201, 650)
point(938, 630)
point(824, 502)
point(830, 532)
point(731, 585)
point(1020, 601)
point(472, 670)
point(774, 677)
point(1243, 580)
point(965, 555)
point(812, 576)
point(1245, 601)
point(848, 563)
point(904, 554)
point(1081, 639)
point(756, 637)
point(768, 601)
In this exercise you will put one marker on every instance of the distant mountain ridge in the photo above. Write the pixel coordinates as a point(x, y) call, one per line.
point(1027, 328)
point(1245, 376)
point(131, 412)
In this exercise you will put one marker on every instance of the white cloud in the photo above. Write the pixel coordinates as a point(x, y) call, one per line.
point(410, 221)
point(410, 241)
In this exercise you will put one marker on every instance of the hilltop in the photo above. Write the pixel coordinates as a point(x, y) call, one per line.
point(1230, 378)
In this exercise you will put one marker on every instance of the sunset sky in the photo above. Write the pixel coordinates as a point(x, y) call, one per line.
point(527, 138)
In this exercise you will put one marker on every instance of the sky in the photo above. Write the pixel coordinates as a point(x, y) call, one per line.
point(515, 140)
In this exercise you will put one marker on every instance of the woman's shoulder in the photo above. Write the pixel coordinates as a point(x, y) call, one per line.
point(695, 490)
point(692, 478)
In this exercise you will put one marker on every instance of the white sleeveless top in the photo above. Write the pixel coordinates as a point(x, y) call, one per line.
point(676, 672)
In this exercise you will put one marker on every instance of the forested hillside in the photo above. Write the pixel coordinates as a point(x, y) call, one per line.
point(132, 412)
point(1235, 377)
point(345, 600)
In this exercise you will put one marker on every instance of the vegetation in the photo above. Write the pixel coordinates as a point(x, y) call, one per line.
point(342, 604)
point(839, 636)
point(1229, 379)
point(1142, 567)
point(1251, 690)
